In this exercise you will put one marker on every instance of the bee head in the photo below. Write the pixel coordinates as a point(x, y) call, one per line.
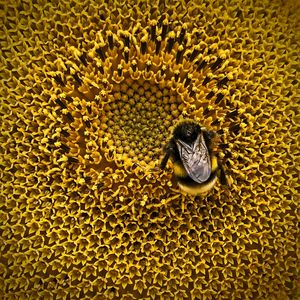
point(187, 131)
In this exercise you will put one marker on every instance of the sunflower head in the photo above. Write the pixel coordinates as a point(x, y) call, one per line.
point(91, 93)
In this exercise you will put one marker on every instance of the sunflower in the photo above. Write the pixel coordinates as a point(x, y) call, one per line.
point(90, 93)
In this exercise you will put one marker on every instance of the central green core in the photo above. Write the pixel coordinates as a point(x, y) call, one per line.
point(139, 118)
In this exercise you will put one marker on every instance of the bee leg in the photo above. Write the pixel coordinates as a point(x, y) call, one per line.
point(169, 149)
point(223, 178)
point(165, 160)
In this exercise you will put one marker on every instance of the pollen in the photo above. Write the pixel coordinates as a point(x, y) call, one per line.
point(90, 94)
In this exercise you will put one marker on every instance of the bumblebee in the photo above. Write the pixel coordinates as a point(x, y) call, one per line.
point(196, 166)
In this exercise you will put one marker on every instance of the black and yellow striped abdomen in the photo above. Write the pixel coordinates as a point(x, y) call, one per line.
point(187, 184)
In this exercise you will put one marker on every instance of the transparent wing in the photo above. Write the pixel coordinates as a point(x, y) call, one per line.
point(195, 159)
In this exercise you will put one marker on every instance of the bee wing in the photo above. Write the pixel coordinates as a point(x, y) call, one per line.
point(195, 159)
